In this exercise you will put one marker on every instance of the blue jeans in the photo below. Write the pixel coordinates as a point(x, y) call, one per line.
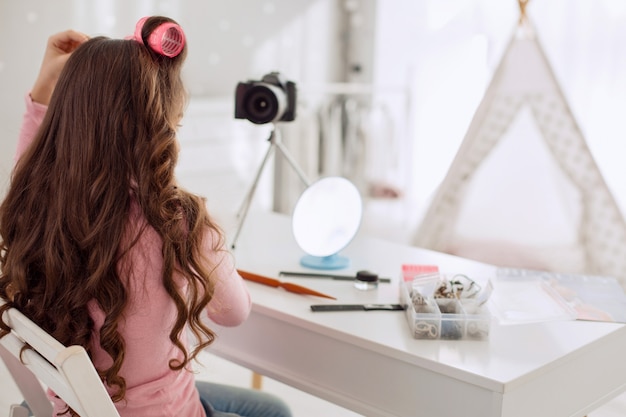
point(228, 401)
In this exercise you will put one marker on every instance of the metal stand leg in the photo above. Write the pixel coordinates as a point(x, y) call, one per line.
point(275, 143)
point(279, 145)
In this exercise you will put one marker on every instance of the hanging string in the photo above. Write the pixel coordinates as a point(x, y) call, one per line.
point(522, 8)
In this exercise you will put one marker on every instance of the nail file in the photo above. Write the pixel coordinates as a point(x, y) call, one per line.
point(356, 307)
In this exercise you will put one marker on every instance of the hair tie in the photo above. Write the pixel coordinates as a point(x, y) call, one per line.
point(167, 39)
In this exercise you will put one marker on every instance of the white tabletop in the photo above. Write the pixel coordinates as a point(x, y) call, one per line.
point(370, 362)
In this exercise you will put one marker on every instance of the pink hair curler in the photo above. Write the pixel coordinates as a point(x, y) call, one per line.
point(167, 39)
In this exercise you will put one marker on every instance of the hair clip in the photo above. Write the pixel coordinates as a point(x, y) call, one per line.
point(167, 39)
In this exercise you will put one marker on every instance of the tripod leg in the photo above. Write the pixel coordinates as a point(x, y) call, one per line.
point(245, 206)
point(250, 194)
point(293, 163)
point(274, 140)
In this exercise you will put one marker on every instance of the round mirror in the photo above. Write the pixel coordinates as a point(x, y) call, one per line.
point(325, 219)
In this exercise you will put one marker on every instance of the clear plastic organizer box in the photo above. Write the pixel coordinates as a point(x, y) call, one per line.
point(434, 313)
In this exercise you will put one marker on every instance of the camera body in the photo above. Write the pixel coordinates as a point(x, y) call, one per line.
point(272, 99)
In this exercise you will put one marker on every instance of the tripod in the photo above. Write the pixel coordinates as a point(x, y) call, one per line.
point(275, 143)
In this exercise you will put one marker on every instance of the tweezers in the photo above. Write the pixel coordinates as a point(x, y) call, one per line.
point(298, 289)
point(329, 276)
point(356, 307)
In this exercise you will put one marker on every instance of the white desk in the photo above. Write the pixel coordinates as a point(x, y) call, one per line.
point(370, 363)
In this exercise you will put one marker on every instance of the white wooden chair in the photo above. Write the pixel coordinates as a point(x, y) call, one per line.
point(37, 360)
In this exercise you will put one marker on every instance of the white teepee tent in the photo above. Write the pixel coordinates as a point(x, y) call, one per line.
point(545, 204)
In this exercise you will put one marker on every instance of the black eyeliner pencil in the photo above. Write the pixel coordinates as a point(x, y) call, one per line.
point(328, 276)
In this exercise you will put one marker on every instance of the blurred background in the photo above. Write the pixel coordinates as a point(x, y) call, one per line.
point(386, 89)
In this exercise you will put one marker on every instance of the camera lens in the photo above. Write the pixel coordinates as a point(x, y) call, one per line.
point(264, 103)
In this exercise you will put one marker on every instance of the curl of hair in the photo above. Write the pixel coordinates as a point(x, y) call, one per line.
point(109, 132)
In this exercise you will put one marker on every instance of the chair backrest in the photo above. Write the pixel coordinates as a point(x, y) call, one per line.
point(37, 360)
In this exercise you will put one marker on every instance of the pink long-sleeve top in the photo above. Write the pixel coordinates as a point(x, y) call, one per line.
point(153, 389)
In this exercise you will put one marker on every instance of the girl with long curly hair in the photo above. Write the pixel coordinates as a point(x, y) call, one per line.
point(100, 246)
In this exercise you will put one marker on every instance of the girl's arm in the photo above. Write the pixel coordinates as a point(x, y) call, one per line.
point(58, 49)
point(231, 303)
point(30, 123)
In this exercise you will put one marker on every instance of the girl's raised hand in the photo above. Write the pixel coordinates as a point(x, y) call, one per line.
point(60, 46)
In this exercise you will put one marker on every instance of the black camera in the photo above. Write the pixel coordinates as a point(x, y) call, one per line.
point(272, 99)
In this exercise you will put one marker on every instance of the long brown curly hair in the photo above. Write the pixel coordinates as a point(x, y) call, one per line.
point(109, 133)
